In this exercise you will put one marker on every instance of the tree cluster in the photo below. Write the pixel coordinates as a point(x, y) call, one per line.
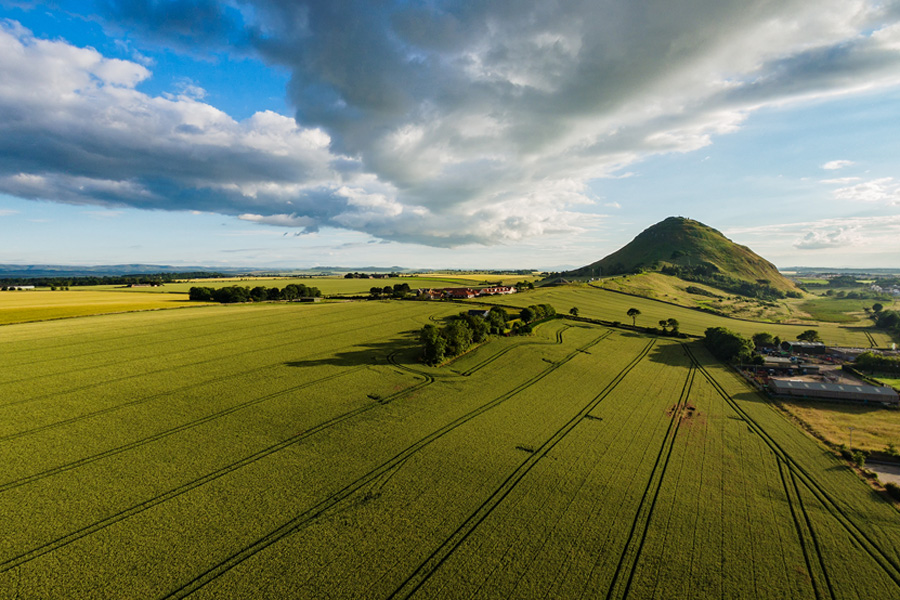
point(370, 275)
point(766, 340)
point(536, 312)
point(459, 334)
point(236, 293)
point(672, 324)
point(877, 363)
point(693, 289)
point(728, 346)
point(889, 320)
point(399, 290)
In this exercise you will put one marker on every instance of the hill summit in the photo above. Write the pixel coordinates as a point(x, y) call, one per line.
point(694, 252)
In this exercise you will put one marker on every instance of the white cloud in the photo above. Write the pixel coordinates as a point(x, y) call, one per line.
point(850, 234)
point(832, 238)
point(841, 180)
point(440, 123)
point(882, 191)
point(837, 164)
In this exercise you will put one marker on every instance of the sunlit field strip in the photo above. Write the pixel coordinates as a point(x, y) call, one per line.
point(133, 334)
point(220, 353)
point(39, 305)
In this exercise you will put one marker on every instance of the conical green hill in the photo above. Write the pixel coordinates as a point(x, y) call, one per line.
point(689, 249)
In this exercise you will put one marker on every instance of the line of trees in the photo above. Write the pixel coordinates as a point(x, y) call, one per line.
point(877, 363)
point(236, 293)
point(399, 290)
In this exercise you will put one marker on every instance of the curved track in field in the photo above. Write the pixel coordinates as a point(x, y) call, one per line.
point(35, 552)
point(434, 561)
point(306, 517)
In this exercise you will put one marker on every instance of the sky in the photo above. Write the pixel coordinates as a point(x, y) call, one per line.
point(445, 134)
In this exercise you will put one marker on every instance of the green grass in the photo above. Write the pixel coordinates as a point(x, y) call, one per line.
point(301, 451)
point(893, 382)
point(610, 306)
point(836, 310)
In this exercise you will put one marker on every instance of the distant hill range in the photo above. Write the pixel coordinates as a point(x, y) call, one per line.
point(695, 252)
point(8, 271)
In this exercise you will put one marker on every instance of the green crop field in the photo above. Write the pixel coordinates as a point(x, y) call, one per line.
point(40, 305)
point(611, 306)
point(301, 451)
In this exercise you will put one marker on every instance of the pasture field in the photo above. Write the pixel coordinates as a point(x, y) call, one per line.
point(40, 305)
point(301, 451)
point(838, 310)
point(894, 383)
point(610, 306)
point(873, 427)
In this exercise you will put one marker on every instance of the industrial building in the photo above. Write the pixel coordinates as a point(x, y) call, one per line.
point(833, 391)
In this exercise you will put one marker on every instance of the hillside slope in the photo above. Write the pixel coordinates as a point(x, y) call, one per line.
point(690, 250)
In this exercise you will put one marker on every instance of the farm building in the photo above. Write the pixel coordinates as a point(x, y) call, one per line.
point(833, 391)
point(500, 289)
point(464, 292)
point(804, 347)
point(773, 362)
point(460, 293)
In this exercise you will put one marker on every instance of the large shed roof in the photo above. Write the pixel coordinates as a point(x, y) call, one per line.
point(833, 390)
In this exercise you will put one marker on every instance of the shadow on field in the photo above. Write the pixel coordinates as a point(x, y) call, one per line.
point(401, 351)
point(666, 354)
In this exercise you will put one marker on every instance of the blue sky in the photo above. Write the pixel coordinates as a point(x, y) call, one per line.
point(501, 134)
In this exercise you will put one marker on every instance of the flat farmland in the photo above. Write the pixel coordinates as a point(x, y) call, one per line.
point(332, 285)
point(301, 451)
point(610, 306)
point(40, 305)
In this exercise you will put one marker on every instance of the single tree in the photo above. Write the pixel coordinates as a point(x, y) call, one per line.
point(763, 340)
point(810, 335)
point(877, 307)
point(663, 323)
point(573, 311)
point(633, 313)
